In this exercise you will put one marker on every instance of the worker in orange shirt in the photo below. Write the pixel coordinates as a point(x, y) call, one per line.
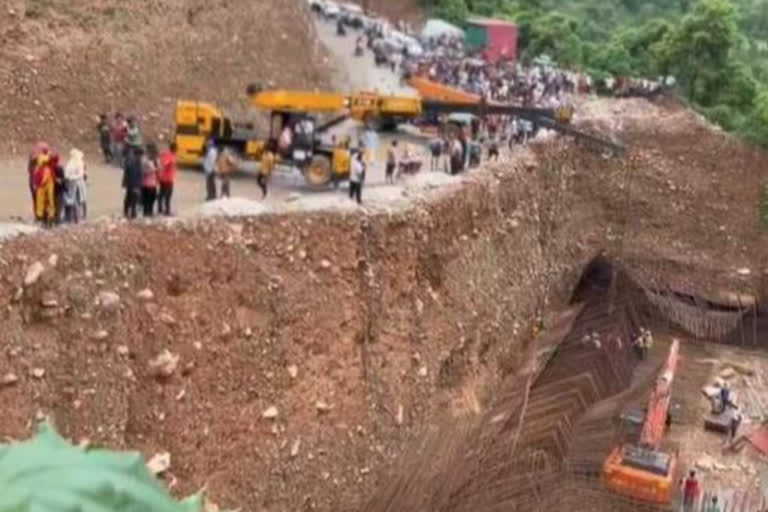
point(45, 208)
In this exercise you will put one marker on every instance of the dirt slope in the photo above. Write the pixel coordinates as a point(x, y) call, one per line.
point(342, 321)
point(65, 62)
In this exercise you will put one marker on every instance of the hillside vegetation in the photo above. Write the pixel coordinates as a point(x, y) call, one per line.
point(717, 49)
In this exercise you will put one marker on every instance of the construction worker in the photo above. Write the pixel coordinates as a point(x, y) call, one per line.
point(45, 208)
point(268, 162)
point(733, 427)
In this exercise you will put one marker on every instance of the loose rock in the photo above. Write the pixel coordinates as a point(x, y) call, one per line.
point(48, 300)
point(9, 379)
point(270, 413)
point(160, 463)
point(293, 370)
point(164, 364)
point(167, 318)
point(100, 335)
point(33, 273)
point(295, 447)
point(322, 406)
point(400, 415)
point(109, 300)
point(325, 264)
point(146, 294)
point(37, 373)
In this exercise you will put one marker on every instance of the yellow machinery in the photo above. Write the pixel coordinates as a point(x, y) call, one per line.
point(320, 162)
point(196, 122)
point(295, 132)
point(641, 471)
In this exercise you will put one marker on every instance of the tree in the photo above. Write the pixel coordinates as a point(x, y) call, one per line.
point(455, 11)
point(697, 50)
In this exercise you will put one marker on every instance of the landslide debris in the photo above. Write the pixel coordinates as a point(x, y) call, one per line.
point(63, 63)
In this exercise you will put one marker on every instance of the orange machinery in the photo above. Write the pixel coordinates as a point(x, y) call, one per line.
point(642, 471)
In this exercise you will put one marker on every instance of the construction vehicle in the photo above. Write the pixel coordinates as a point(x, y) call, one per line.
point(641, 470)
point(196, 122)
point(322, 163)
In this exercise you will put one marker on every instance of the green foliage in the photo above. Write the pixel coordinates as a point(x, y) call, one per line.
point(48, 474)
point(717, 49)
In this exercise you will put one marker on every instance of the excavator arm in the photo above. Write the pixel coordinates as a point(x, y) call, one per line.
point(658, 405)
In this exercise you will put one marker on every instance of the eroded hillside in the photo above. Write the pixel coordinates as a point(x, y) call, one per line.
point(313, 348)
point(63, 63)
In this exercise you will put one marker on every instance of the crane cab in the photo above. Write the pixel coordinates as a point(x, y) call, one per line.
point(295, 135)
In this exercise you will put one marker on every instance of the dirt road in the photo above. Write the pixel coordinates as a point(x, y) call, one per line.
point(353, 74)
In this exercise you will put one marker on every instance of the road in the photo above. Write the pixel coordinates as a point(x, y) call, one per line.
point(104, 186)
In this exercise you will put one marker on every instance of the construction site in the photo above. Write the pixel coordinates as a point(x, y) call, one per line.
point(467, 346)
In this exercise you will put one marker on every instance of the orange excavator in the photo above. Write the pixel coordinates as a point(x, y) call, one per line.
point(642, 471)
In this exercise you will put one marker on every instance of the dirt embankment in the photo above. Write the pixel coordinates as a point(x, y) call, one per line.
point(66, 62)
point(313, 348)
point(358, 330)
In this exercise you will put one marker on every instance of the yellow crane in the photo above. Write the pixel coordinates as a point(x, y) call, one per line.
point(294, 128)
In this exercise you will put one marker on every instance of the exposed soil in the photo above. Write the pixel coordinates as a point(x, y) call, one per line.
point(66, 62)
point(422, 309)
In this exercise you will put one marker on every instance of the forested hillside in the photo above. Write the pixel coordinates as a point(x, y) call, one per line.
point(717, 49)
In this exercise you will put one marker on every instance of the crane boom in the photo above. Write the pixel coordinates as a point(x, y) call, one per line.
point(371, 106)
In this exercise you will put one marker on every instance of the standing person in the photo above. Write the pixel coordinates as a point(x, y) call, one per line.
point(105, 138)
point(391, 162)
point(690, 491)
point(225, 166)
point(268, 159)
point(435, 150)
point(58, 187)
point(713, 506)
point(735, 424)
point(167, 177)
point(493, 149)
point(40, 149)
point(119, 135)
point(132, 178)
point(133, 134)
point(209, 168)
point(149, 180)
point(74, 187)
point(356, 177)
point(45, 207)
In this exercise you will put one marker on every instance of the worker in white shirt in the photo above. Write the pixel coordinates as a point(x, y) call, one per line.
point(356, 177)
